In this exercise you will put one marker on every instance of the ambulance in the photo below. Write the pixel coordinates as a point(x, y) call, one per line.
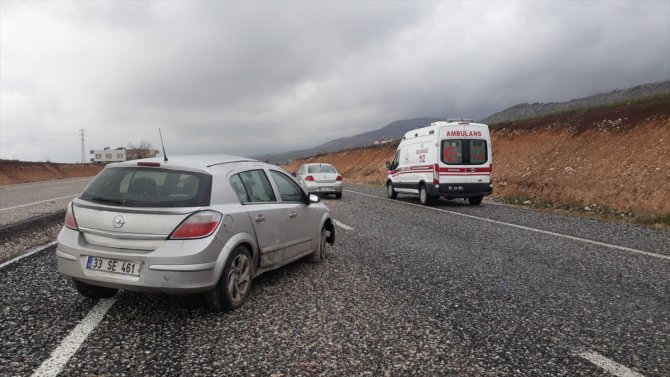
point(450, 159)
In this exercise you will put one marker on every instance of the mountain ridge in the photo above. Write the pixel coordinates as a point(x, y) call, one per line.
point(398, 128)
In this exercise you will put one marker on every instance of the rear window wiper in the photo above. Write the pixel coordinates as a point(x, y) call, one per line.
point(109, 201)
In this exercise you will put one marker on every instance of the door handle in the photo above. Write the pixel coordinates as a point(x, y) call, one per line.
point(260, 218)
point(293, 215)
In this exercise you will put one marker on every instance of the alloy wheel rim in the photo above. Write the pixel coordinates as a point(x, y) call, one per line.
point(239, 278)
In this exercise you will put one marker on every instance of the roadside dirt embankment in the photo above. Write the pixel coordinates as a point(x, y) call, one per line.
point(611, 160)
point(13, 172)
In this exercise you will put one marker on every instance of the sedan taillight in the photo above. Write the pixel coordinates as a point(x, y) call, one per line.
point(70, 221)
point(339, 178)
point(198, 225)
point(309, 178)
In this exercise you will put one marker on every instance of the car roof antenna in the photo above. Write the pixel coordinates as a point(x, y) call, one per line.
point(162, 145)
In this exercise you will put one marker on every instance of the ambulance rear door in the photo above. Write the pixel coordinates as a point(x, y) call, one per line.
point(465, 159)
point(452, 164)
point(479, 168)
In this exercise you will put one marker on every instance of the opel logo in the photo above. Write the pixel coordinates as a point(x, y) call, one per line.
point(119, 221)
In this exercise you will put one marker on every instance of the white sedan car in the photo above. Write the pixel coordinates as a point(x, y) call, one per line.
point(319, 178)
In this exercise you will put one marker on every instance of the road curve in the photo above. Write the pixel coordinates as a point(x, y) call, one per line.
point(407, 290)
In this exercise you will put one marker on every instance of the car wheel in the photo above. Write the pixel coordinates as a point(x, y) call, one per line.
point(321, 252)
point(338, 195)
point(390, 191)
point(234, 286)
point(425, 198)
point(475, 200)
point(93, 291)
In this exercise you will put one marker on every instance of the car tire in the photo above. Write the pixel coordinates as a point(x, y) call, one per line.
point(390, 191)
point(93, 291)
point(424, 197)
point(338, 195)
point(321, 252)
point(234, 285)
point(475, 200)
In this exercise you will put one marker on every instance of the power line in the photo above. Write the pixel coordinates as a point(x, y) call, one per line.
point(82, 135)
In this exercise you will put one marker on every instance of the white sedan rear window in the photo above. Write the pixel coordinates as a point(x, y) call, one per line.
point(321, 169)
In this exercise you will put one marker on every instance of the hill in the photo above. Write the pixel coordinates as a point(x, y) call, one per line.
point(397, 129)
point(527, 110)
point(393, 130)
point(13, 172)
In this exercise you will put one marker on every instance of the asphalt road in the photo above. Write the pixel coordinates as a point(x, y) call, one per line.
point(27, 200)
point(407, 290)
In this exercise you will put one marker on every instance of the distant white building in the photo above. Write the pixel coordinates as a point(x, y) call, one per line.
point(379, 142)
point(107, 155)
point(103, 156)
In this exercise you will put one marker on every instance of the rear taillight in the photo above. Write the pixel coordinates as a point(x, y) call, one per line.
point(198, 225)
point(309, 178)
point(70, 221)
point(339, 178)
point(436, 174)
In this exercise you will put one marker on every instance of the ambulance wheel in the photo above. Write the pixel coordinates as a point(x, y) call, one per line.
point(424, 197)
point(390, 191)
point(475, 200)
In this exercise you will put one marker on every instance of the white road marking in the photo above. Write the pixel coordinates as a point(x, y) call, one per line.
point(609, 365)
point(41, 201)
point(27, 254)
point(343, 226)
point(611, 246)
point(69, 346)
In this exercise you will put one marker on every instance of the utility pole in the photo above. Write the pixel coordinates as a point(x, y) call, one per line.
point(82, 136)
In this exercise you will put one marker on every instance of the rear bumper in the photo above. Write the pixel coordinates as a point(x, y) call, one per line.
point(462, 190)
point(161, 270)
point(323, 188)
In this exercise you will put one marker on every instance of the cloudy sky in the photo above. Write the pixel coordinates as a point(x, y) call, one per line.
point(249, 78)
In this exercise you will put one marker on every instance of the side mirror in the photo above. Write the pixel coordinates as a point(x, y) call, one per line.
point(388, 165)
point(313, 198)
point(294, 174)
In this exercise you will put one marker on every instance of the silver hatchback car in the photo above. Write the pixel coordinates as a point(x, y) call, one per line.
point(320, 178)
point(189, 225)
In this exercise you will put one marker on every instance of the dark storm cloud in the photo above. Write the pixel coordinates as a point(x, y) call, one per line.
point(261, 77)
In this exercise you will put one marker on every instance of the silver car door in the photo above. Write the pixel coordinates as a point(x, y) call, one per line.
point(299, 228)
point(267, 215)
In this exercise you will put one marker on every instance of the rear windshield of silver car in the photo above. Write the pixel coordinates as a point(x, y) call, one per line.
point(149, 187)
point(320, 169)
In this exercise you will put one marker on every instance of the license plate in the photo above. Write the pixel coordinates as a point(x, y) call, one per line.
point(326, 189)
point(113, 265)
